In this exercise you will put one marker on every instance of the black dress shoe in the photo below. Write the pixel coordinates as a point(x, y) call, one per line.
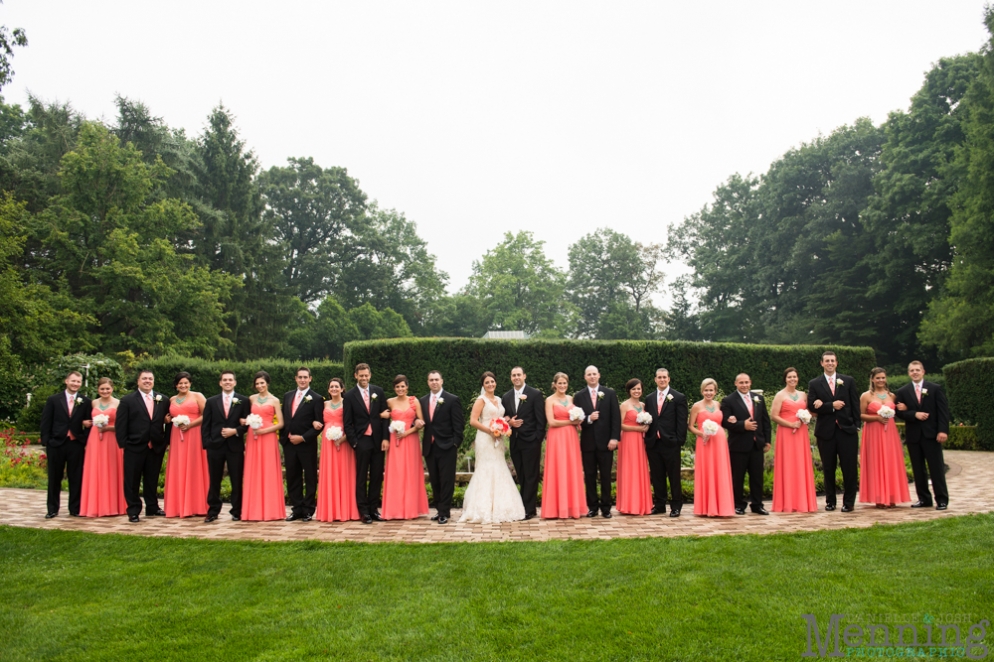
point(829, 507)
point(941, 506)
point(847, 509)
point(366, 519)
point(530, 516)
point(376, 517)
point(674, 513)
point(591, 513)
point(133, 518)
point(434, 518)
point(306, 518)
point(607, 514)
point(740, 511)
point(50, 515)
point(442, 519)
point(761, 511)
point(658, 510)
point(294, 517)
point(921, 504)
point(158, 513)
point(236, 518)
point(73, 514)
point(210, 518)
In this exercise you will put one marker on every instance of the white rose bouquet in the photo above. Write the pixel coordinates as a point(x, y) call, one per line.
point(334, 433)
point(576, 414)
point(182, 419)
point(885, 413)
point(710, 429)
point(100, 421)
point(643, 418)
point(804, 416)
point(254, 421)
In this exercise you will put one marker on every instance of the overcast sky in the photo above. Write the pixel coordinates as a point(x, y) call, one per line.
point(476, 118)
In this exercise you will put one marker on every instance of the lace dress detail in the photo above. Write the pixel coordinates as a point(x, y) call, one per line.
point(492, 495)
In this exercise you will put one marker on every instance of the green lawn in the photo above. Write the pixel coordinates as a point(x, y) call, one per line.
point(66, 596)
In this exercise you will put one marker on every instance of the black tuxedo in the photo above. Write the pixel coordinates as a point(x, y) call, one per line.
point(746, 447)
point(443, 435)
point(594, 438)
point(302, 458)
point(923, 448)
point(526, 442)
point(667, 434)
point(365, 430)
point(144, 441)
point(837, 434)
point(221, 450)
point(64, 439)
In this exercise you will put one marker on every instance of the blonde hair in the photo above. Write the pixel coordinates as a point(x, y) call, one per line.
point(709, 381)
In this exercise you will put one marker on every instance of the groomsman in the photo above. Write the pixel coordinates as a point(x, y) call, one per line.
point(365, 430)
point(443, 435)
point(141, 432)
point(748, 440)
point(64, 439)
point(224, 440)
point(599, 434)
point(835, 399)
point(666, 436)
point(923, 407)
point(302, 407)
point(526, 407)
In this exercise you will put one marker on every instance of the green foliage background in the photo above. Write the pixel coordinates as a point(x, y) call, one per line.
point(971, 395)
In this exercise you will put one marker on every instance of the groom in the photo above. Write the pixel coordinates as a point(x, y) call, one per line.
point(835, 399)
point(526, 407)
point(224, 441)
point(443, 434)
point(599, 434)
point(365, 430)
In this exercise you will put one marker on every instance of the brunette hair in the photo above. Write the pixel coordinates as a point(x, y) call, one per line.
point(873, 373)
point(181, 376)
point(341, 383)
point(227, 372)
point(303, 368)
point(359, 367)
point(104, 380)
point(828, 352)
point(486, 374)
point(262, 374)
point(630, 384)
point(401, 378)
point(80, 375)
point(789, 370)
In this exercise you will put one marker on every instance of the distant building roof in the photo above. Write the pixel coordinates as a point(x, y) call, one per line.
point(506, 335)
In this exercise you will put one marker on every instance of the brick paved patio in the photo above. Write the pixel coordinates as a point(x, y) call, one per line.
point(970, 478)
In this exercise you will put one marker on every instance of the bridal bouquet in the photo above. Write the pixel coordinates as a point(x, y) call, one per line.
point(100, 420)
point(398, 428)
point(182, 419)
point(709, 428)
point(254, 421)
point(576, 414)
point(643, 418)
point(333, 433)
point(804, 416)
point(499, 428)
point(885, 413)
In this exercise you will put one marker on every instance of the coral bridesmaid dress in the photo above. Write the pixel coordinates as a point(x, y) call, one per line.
point(336, 482)
point(793, 471)
point(404, 492)
point(103, 471)
point(883, 479)
point(713, 496)
point(187, 478)
point(634, 488)
point(563, 493)
point(262, 487)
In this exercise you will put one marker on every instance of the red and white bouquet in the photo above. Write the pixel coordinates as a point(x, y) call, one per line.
point(499, 428)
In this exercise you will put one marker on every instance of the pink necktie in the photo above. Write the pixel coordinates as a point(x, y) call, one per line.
point(831, 384)
point(659, 402)
point(148, 404)
point(72, 403)
point(749, 405)
point(431, 407)
point(227, 407)
point(296, 402)
point(365, 398)
point(918, 392)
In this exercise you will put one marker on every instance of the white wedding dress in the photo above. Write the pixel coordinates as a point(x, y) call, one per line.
point(492, 495)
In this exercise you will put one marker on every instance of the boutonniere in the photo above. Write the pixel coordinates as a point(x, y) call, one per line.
point(372, 396)
point(236, 401)
point(755, 398)
point(158, 397)
point(439, 401)
point(669, 396)
point(600, 394)
point(307, 398)
point(79, 400)
point(522, 397)
point(839, 382)
point(924, 391)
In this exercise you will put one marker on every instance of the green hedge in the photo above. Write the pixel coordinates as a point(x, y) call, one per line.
point(206, 374)
point(970, 387)
point(462, 361)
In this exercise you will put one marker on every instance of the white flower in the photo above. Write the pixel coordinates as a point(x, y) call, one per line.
point(439, 401)
point(307, 398)
point(576, 414)
point(643, 418)
point(885, 412)
point(158, 397)
point(101, 420)
point(804, 416)
point(398, 426)
point(710, 428)
point(839, 382)
point(254, 421)
point(236, 401)
point(669, 396)
point(333, 433)
point(373, 396)
point(182, 419)
point(600, 394)
point(755, 398)
point(924, 391)
point(79, 400)
point(522, 397)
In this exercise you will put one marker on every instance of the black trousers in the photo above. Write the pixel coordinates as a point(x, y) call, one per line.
point(594, 462)
point(302, 460)
point(142, 467)
point(842, 449)
point(369, 460)
point(442, 475)
point(927, 461)
point(664, 463)
point(216, 459)
point(750, 462)
point(67, 458)
point(527, 458)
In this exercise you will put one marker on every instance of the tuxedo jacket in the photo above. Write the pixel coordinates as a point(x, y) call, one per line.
point(847, 419)
point(215, 420)
point(302, 422)
point(934, 403)
point(741, 440)
point(135, 429)
point(531, 411)
point(596, 435)
point(446, 426)
point(668, 427)
point(56, 423)
point(356, 418)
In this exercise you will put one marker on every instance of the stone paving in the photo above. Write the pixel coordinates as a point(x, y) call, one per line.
point(970, 479)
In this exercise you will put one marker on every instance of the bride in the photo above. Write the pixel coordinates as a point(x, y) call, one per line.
point(492, 496)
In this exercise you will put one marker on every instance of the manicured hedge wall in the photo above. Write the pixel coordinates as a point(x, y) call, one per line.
point(970, 387)
point(206, 374)
point(462, 361)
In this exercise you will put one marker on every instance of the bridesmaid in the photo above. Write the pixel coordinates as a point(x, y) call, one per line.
point(404, 492)
point(187, 478)
point(883, 479)
point(336, 484)
point(713, 496)
point(634, 488)
point(563, 492)
point(103, 471)
point(793, 471)
point(262, 487)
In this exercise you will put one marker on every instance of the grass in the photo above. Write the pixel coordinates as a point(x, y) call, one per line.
point(68, 596)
